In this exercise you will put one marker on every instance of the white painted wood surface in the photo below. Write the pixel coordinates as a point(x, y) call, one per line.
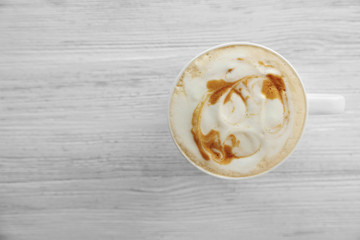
point(85, 151)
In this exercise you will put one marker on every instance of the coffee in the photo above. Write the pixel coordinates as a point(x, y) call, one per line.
point(237, 110)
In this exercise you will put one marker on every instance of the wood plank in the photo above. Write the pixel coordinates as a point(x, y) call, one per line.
point(85, 150)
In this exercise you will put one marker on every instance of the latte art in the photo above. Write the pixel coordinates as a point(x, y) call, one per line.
point(232, 111)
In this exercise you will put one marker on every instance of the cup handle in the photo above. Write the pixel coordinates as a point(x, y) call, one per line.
point(322, 104)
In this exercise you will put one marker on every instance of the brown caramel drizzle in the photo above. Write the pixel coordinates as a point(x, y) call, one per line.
point(278, 81)
point(210, 145)
point(218, 88)
point(273, 87)
point(236, 91)
point(214, 85)
point(234, 141)
point(228, 96)
point(266, 65)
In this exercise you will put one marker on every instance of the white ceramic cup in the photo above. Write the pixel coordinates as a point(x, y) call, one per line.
point(316, 104)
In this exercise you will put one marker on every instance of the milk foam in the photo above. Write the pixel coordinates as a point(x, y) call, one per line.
point(259, 126)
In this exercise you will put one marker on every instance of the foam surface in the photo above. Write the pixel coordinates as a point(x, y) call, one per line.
point(237, 111)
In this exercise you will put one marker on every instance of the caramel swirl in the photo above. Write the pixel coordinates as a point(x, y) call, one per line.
point(273, 87)
point(218, 88)
point(266, 65)
point(210, 145)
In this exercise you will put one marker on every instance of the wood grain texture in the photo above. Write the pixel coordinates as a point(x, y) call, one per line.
point(85, 151)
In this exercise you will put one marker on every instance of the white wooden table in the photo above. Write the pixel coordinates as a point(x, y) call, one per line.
point(85, 150)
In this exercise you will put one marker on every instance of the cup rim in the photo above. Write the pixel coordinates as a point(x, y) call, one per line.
point(225, 45)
